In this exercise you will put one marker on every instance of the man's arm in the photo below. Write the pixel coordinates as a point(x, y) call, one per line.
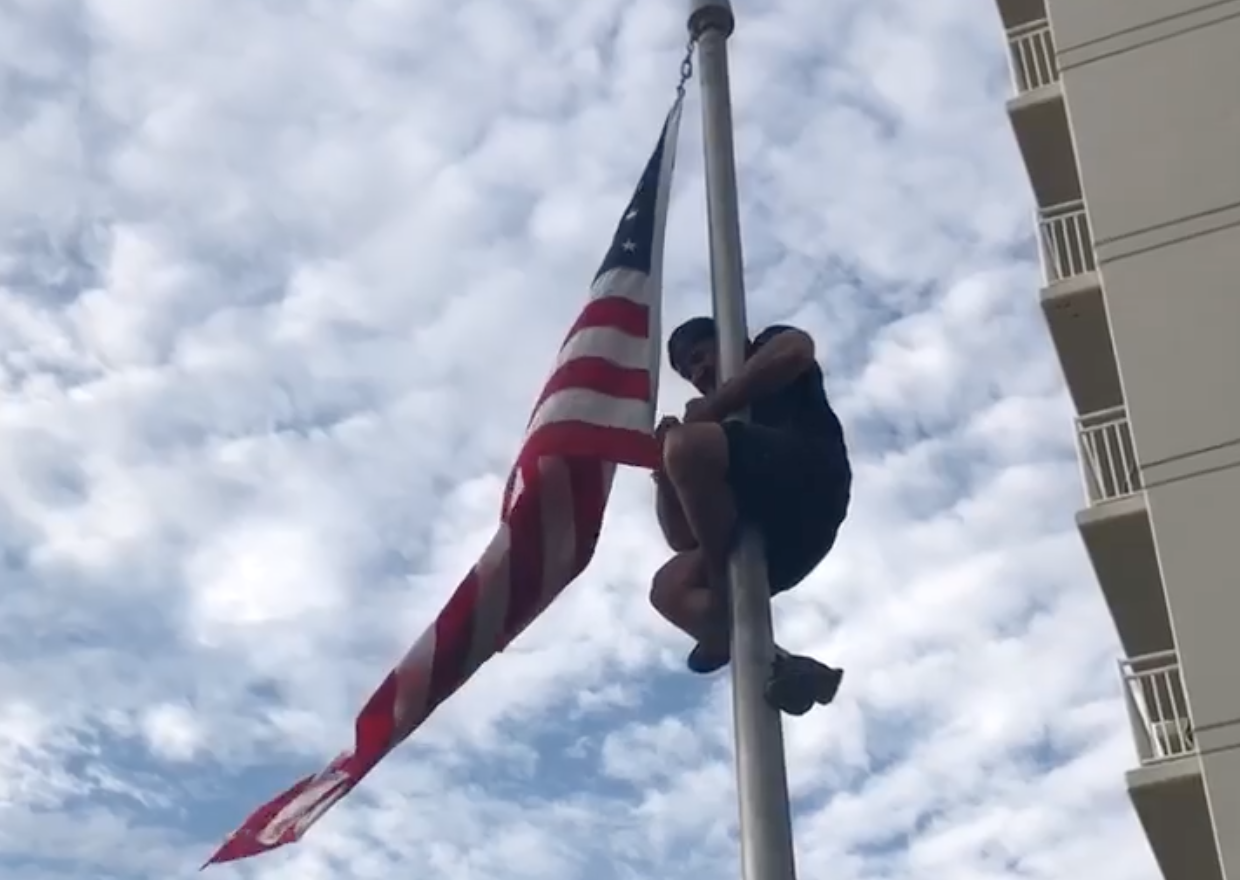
point(672, 520)
point(782, 355)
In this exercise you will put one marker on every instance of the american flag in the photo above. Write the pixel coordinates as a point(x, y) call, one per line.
point(595, 412)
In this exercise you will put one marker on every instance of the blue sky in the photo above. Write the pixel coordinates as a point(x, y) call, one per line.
point(279, 282)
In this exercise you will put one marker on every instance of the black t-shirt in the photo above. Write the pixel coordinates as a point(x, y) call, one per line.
point(801, 406)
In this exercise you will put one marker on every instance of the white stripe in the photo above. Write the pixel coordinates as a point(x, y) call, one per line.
point(559, 528)
point(609, 344)
point(305, 809)
point(624, 283)
point(654, 283)
point(518, 486)
point(413, 673)
point(494, 592)
point(583, 405)
point(413, 684)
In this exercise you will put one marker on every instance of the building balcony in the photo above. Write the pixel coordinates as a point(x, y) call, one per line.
point(1115, 527)
point(1167, 788)
point(1031, 51)
point(1067, 244)
point(1014, 13)
point(1108, 457)
point(1158, 707)
point(1038, 114)
point(1075, 310)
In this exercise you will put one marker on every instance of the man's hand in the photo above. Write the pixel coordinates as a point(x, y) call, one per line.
point(702, 409)
point(660, 434)
point(665, 424)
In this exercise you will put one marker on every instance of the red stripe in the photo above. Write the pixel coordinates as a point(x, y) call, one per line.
point(244, 843)
point(589, 504)
point(574, 439)
point(597, 374)
point(588, 493)
point(454, 630)
point(376, 723)
point(616, 313)
point(525, 558)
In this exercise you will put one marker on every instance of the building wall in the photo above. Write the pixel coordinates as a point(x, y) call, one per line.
point(1153, 95)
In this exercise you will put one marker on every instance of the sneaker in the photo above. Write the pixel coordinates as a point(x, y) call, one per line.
point(799, 683)
point(714, 652)
point(704, 660)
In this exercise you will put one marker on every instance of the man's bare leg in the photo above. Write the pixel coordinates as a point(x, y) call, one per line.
point(695, 460)
point(672, 521)
point(681, 594)
point(690, 589)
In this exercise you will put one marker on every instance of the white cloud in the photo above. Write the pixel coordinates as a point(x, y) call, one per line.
point(172, 732)
point(278, 284)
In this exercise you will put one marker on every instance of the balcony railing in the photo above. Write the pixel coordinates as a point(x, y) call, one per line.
point(1108, 457)
point(1033, 56)
point(1067, 243)
point(1157, 707)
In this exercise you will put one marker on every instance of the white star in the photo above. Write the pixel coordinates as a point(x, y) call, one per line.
point(629, 246)
point(632, 215)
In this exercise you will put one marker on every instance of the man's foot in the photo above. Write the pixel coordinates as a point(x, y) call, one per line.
point(713, 652)
point(799, 683)
point(704, 659)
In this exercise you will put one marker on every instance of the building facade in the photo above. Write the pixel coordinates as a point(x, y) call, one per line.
point(1127, 116)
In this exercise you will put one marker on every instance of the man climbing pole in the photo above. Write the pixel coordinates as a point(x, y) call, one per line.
point(785, 472)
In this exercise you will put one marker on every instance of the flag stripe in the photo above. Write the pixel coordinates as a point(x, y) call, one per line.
point(558, 515)
point(453, 635)
point(610, 343)
point(373, 722)
point(620, 281)
point(632, 446)
point(628, 316)
point(413, 675)
point(494, 574)
point(591, 487)
point(525, 588)
point(602, 377)
point(593, 407)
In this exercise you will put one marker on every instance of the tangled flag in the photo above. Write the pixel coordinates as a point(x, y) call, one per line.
point(595, 412)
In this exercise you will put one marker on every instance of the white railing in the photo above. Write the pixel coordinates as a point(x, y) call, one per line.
point(1032, 53)
point(1108, 457)
point(1067, 243)
point(1157, 707)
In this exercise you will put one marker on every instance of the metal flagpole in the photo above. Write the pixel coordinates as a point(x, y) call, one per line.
point(762, 779)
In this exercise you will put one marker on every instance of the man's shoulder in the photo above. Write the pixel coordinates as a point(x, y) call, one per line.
point(770, 332)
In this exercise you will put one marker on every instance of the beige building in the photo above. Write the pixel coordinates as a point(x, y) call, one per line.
point(1127, 115)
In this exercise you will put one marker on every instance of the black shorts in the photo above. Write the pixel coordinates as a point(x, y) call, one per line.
point(794, 490)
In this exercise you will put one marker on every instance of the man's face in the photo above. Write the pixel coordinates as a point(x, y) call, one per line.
point(701, 365)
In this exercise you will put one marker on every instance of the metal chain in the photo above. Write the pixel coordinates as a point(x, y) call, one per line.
point(686, 66)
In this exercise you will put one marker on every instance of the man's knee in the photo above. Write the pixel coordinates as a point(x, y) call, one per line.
point(681, 574)
point(693, 450)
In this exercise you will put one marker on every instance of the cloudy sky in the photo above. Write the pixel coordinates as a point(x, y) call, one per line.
point(279, 282)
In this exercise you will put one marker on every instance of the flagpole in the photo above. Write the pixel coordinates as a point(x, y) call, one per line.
point(761, 776)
